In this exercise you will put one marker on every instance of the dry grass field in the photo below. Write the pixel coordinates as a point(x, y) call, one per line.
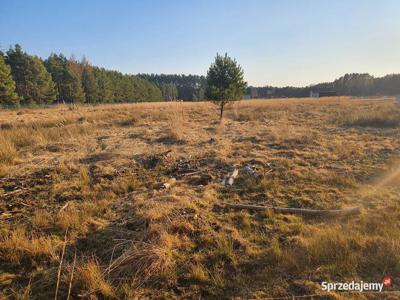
point(126, 201)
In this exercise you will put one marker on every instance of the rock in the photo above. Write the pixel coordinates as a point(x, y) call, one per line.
point(249, 171)
point(170, 183)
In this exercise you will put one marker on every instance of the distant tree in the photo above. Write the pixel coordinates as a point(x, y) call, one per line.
point(8, 95)
point(73, 87)
point(199, 94)
point(225, 81)
point(114, 86)
point(354, 84)
point(253, 92)
point(78, 66)
point(90, 85)
point(44, 91)
point(67, 81)
point(169, 91)
point(33, 83)
point(105, 93)
point(189, 87)
point(387, 85)
point(19, 63)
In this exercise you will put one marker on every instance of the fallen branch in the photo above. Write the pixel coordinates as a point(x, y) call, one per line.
point(301, 211)
point(166, 153)
point(64, 207)
point(190, 173)
point(20, 190)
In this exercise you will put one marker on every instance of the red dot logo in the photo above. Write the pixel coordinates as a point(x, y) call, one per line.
point(387, 281)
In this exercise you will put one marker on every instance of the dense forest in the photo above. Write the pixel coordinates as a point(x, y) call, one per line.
point(30, 80)
point(188, 87)
point(355, 84)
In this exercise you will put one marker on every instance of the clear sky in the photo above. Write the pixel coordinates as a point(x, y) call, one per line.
point(297, 42)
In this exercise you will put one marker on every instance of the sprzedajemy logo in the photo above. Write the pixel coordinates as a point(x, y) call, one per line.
point(358, 286)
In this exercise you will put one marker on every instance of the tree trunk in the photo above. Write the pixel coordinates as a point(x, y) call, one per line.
point(222, 110)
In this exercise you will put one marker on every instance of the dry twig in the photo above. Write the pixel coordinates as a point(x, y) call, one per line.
point(300, 211)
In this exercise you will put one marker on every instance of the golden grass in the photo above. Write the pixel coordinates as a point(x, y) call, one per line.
point(8, 151)
point(42, 219)
point(344, 251)
point(177, 126)
point(199, 274)
point(91, 277)
point(388, 116)
point(144, 262)
point(18, 246)
point(100, 172)
point(26, 137)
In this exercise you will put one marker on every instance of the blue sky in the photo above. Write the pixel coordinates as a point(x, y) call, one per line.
point(297, 42)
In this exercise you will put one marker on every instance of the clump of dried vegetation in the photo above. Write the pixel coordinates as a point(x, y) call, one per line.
point(387, 116)
point(126, 202)
point(177, 126)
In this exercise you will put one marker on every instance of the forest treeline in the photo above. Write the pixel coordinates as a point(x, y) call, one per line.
point(187, 87)
point(355, 84)
point(30, 80)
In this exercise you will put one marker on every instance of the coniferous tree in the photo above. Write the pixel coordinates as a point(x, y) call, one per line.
point(19, 63)
point(169, 91)
point(189, 87)
point(33, 83)
point(67, 81)
point(8, 95)
point(105, 86)
point(73, 87)
point(78, 66)
point(43, 91)
point(90, 86)
point(225, 81)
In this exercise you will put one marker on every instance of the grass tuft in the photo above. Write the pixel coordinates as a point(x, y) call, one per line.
point(91, 277)
point(17, 247)
point(7, 150)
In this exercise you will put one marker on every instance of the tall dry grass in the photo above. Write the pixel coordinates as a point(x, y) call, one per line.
point(18, 246)
point(148, 261)
point(167, 238)
point(176, 129)
point(385, 116)
point(8, 152)
point(90, 277)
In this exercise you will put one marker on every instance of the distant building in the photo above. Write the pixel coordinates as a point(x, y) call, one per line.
point(319, 94)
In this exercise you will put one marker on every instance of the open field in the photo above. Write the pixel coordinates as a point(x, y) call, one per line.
point(126, 201)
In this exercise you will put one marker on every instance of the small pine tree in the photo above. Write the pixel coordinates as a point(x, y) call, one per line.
point(8, 95)
point(225, 81)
